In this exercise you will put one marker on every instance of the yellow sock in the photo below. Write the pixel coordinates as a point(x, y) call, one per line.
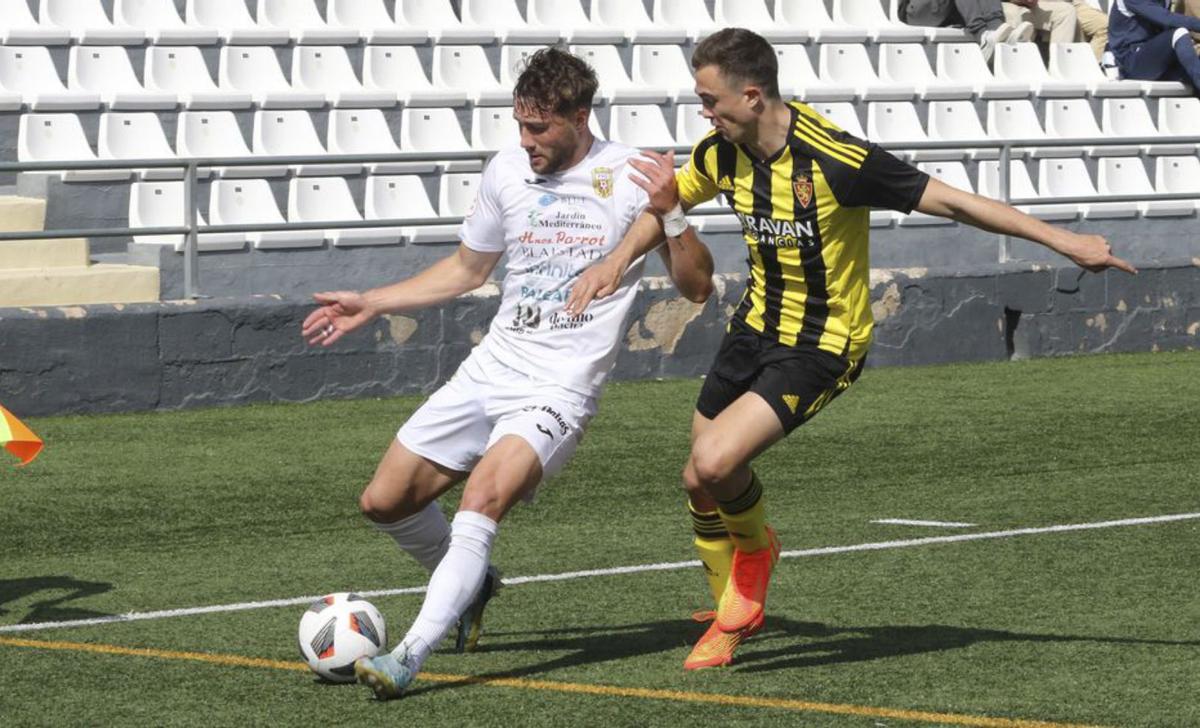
point(745, 518)
point(715, 549)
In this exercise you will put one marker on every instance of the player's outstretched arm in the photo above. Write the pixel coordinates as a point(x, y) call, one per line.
point(344, 311)
point(688, 261)
point(1091, 252)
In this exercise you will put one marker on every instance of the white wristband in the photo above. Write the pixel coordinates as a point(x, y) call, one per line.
point(674, 222)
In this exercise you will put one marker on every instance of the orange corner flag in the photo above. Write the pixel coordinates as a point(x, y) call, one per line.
point(17, 438)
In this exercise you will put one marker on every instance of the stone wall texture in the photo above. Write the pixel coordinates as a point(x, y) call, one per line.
point(180, 354)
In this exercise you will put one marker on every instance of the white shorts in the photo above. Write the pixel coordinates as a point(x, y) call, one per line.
point(486, 400)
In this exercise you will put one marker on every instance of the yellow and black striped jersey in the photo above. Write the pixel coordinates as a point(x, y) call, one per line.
point(805, 215)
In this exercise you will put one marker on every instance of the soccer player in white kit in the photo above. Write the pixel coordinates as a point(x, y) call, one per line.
point(515, 410)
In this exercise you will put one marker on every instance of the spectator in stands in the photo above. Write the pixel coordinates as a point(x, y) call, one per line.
point(1151, 43)
point(1191, 8)
point(1055, 17)
point(1093, 26)
point(984, 19)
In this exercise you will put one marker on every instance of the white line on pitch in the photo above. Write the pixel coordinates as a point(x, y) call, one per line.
point(637, 569)
point(911, 522)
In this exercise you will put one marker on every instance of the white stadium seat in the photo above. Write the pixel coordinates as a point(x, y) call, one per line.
point(1131, 118)
point(438, 19)
point(161, 22)
point(107, 71)
point(301, 20)
point(504, 17)
point(136, 136)
point(842, 115)
point(847, 64)
point(813, 16)
point(568, 18)
point(1070, 178)
point(87, 23)
point(512, 60)
point(1022, 63)
point(870, 15)
point(1179, 116)
point(1021, 187)
point(456, 194)
point(1076, 62)
point(256, 70)
point(161, 204)
point(60, 138)
point(663, 66)
point(370, 18)
point(291, 134)
point(30, 73)
point(365, 131)
point(906, 64)
point(216, 134)
point(1073, 118)
point(798, 78)
point(934, 35)
point(639, 126)
point(690, 125)
point(1177, 174)
point(328, 199)
point(493, 127)
point(690, 15)
point(957, 121)
point(435, 130)
point(21, 28)
point(896, 122)
point(630, 17)
point(753, 14)
point(951, 173)
point(615, 85)
point(398, 69)
point(231, 19)
point(326, 70)
point(466, 68)
point(1127, 176)
point(1014, 119)
point(963, 63)
point(250, 202)
point(404, 196)
point(181, 70)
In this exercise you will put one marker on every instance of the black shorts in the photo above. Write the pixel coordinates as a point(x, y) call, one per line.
point(796, 381)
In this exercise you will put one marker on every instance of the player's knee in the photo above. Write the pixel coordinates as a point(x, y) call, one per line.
point(484, 495)
point(380, 508)
point(710, 464)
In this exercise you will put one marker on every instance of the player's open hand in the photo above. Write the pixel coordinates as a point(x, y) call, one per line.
point(1093, 253)
point(657, 178)
point(340, 313)
point(599, 280)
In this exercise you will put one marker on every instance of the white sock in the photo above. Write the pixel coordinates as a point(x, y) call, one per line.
point(425, 536)
point(453, 585)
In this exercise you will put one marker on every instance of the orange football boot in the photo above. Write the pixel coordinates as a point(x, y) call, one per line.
point(715, 648)
point(742, 603)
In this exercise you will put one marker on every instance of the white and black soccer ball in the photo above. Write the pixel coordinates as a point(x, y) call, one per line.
point(337, 630)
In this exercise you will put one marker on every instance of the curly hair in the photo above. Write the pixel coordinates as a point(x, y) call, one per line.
point(553, 80)
point(742, 55)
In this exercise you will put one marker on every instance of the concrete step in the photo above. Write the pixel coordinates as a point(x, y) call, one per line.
point(103, 283)
point(21, 213)
point(28, 254)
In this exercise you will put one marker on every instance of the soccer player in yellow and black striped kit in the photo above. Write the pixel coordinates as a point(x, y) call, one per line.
point(803, 189)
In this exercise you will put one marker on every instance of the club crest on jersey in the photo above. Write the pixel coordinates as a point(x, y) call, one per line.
point(602, 181)
point(802, 185)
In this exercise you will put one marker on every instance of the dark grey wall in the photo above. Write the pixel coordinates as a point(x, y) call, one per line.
point(231, 351)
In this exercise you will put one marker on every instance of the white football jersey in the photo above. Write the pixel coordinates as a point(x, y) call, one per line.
point(553, 227)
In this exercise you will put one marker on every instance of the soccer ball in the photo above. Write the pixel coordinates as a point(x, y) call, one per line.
point(337, 630)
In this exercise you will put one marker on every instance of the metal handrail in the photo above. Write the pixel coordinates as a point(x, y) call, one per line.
point(191, 166)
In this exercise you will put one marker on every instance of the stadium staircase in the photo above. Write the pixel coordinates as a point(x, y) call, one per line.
point(50, 272)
